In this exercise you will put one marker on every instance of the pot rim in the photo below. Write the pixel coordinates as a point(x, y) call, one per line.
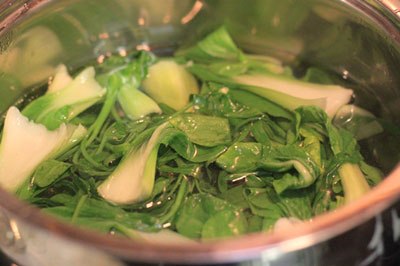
point(271, 245)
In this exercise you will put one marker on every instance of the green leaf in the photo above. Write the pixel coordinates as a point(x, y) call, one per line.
point(264, 105)
point(268, 132)
point(341, 141)
point(224, 224)
point(312, 144)
point(215, 100)
point(201, 212)
point(235, 196)
point(135, 103)
point(291, 157)
point(195, 153)
point(266, 203)
point(316, 75)
point(264, 206)
point(100, 215)
point(129, 73)
point(361, 123)
point(217, 45)
point(241, 157)
point(296, 203)
point(203, 130)
point(229, 68)
point(55, 108)
point(192, 216)
point(373, 174)
point(48, 172)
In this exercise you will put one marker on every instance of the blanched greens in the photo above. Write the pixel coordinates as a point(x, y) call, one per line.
point(253, 145)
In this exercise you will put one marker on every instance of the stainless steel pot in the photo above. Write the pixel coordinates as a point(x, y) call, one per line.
point(359, 40)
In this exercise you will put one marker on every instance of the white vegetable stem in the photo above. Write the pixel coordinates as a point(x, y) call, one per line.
point(286, 223)
point(328, 97)
point(163, 236)
point(133, 179)
point(353, 182)
point(25, 145)
point(83, 90)
point(135, 103)
point(170, 83)
point(61, 79)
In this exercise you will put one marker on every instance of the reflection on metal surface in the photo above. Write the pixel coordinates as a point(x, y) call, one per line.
point(142, 19)
point(345, 74)
point(31, 246)
point(376, 245)
point(6, 235)
point(122, 51)
point(143, 47)
point(393, 5)
point(10, 236)
point(198, 5)
point(100, 58)
point(19, 244)
point(395, 225)
point(31, 55)
point(104, 35)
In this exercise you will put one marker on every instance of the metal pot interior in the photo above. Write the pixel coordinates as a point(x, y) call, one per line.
point(351, 38)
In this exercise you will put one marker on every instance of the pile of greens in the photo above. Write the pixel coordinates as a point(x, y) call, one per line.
point(212, 142)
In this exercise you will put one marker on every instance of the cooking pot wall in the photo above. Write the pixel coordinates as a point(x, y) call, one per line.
point(335, 35)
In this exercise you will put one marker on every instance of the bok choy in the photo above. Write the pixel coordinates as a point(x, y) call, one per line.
point(24, 145)
point(211, 142)
point(133, 179)
point(247, 73)
point(60, 105)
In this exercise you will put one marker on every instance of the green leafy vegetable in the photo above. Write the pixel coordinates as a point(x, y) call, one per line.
point(203, 130)
point(220, 144)
point(257, 78)
point(48, 171)
point(241, 157)
point(129, 76)
point(133, 179)
point(209, 217)
point(24, 145)
point(170, 83)
point(217, 45)
point(58, 106)
point(361, 123)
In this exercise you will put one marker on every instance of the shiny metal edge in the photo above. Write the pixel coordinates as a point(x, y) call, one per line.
point(384, 13)
point(392, 5)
